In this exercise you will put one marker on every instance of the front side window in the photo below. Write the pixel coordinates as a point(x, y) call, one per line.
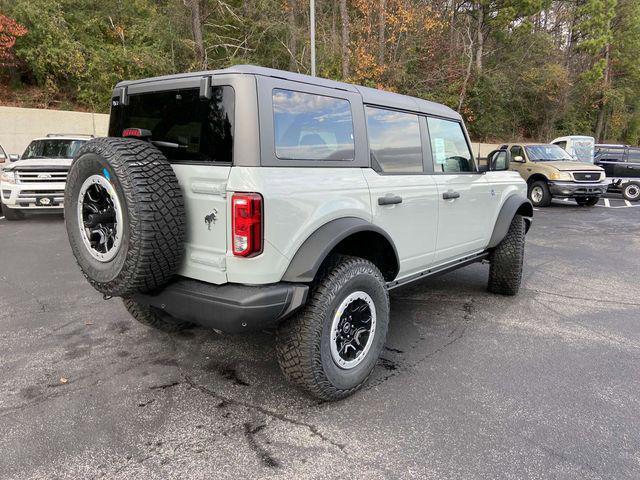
point(394, 141)
point(547, 153)
point(516, 151)
point(312, 127)
point(451, 152)
point(183, 126)
point(53, 148)
point(610, 154)
point(634, 155)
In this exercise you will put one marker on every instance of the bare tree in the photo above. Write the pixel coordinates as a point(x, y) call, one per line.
point(196, 30)
point(381, 30)
point(344, 17)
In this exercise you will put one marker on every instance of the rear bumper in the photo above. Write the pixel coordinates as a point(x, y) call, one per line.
point(232, 307)
point(577, 189)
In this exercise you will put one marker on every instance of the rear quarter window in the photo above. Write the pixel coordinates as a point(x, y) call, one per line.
point(312, 127)
point(200, 129)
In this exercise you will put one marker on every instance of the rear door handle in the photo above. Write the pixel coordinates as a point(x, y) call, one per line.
point(450, 195)
point(389, 200)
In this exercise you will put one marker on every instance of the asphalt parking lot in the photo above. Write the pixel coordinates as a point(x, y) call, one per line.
point(471, 385)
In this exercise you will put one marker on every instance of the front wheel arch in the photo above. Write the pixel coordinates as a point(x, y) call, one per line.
point(514, 205)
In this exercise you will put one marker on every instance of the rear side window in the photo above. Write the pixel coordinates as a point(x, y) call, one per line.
point(451, 152)
point(191, 128)
point(394, 141)
point(312, 127)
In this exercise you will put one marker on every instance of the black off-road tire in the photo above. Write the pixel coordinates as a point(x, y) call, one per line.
point(505, 272)
point(587, 201)
point(545, 201)
point(154, 318)
point(12, 213)
point(631, 191)
point(303, 341)
point(152, 243)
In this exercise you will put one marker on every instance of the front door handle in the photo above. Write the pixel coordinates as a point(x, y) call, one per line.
point(450, 195)
point(389, 200)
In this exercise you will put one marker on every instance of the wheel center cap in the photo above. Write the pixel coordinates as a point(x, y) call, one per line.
point(346, 327)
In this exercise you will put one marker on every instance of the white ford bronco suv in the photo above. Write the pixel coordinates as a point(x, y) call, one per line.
point(251, 198)
point(35, 182)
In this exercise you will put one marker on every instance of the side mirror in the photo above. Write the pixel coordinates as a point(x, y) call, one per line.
point(498, 160)
point(518, 158)
point(14, 157)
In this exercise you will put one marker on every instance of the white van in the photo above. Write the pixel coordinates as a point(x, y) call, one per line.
point(580, 147)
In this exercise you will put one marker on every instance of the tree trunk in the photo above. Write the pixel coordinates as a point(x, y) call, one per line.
point(293, 39)
point(381, 31)
point(196, 30)
point(602, 110)
point(480, 37)
point(467, 75)
point(344, 17)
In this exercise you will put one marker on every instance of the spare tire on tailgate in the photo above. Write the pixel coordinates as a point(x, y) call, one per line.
point(124, 214)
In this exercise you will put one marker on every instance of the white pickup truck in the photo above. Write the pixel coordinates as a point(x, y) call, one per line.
point(251, 198)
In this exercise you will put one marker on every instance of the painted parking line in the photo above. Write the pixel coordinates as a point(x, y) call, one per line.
point(606, 202)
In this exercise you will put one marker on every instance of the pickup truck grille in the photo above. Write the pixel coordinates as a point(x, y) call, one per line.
point(41, 176)
point(587, 176)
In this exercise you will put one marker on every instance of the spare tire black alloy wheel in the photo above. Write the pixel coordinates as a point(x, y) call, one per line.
point(100, 213)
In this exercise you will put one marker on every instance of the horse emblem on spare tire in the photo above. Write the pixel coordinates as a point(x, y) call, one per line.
point(211, 218)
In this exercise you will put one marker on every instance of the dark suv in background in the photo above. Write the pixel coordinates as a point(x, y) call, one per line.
point(622, 166)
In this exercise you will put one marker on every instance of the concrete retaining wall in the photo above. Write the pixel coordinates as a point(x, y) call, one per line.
point(18, 126)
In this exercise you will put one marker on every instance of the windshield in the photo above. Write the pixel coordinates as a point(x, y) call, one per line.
point(547, 153)
point(584, 150)
point(52, 148)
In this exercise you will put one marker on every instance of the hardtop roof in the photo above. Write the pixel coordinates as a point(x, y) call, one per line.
point(369, 95)
point(85, 138)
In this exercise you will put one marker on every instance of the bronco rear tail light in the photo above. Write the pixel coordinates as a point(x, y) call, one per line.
point(136, 132)
point(246, 224)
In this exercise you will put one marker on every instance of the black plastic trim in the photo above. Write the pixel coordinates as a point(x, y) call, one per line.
point(231, 307)
point(508, 211)
point(440, 269)
point(309, 257)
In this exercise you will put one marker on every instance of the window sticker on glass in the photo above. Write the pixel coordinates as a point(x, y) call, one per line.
point(439, 151)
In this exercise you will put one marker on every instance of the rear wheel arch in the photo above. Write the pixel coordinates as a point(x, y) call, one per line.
point(347, 236)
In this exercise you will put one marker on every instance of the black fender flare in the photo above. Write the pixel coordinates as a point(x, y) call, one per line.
point(314, 250)
point(511, 206)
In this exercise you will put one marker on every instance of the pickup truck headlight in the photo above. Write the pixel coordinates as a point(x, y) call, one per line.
point(560, 176)
point(7, 176)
